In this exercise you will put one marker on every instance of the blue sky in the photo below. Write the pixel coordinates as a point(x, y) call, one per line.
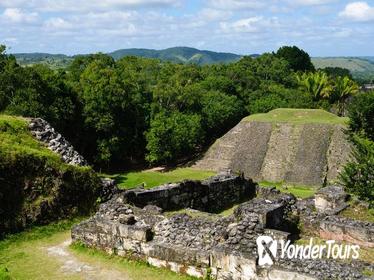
point(321, 27)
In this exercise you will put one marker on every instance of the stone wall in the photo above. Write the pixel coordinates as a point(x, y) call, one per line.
point(345, 229)
point(203, 244)
point(211, 195)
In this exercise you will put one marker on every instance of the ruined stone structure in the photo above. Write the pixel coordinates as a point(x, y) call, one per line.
point(210, 195)
point(45, 133)
point(139, 224)
point(300, 153)
point(326, 222)
point(345, 229)
point(331, 199)
point(54, 141)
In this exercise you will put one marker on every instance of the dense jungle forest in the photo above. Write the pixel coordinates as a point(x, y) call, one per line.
point(138, 111)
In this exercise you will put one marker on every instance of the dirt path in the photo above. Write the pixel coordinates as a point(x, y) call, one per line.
point(72, 266)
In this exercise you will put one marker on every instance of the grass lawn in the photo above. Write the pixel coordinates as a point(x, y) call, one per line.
point(358, 213)
point(24, 256)
point(299, 191)
point(15, 138)
point(228, 211)
point(200, 214)
point(133, 269)
point(298, 116)
point(154, 178)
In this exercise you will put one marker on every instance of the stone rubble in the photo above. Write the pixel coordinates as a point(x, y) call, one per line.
point(205, 244)
point(331, 199)
point(346, 229)
point(45, 133)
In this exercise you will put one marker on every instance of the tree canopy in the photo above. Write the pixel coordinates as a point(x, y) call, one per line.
point(298, 59)
point(137, 110)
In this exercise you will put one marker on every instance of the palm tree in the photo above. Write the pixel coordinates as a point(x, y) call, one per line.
point(344, 87)
point(317, 84)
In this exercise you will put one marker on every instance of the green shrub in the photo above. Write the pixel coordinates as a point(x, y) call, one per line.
point(358, 175)
point(361, 114)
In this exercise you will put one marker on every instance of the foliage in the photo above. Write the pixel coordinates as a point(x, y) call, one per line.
point(358, 174)
point(273, 96)
point(361, 68)
point(126, 112)
point(344, 88)
point(150, 179)
point(35, 183)
point(172, 136)
point(220, 111)
point(337, 72)
point(316, 84)
point(298, 59)
point(332, 89)
point(361, 114)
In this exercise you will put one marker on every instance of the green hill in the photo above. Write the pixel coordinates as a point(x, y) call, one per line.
point(177, 55)
point(361, 67)
point(55, 61)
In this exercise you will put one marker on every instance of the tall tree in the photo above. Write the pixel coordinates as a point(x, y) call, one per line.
point(361, 114)
point(344, 87)
point(298, 59)
point(172, 136)
point(337, 72)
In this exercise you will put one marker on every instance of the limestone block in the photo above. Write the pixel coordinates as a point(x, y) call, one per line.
point(135, 232)
point(329, 198)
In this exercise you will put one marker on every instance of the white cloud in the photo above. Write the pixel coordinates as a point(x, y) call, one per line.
point(249, 25)
point(57, 24)
point(18, 16)
point(84, 5)
point(107, 25)
point(358, 11)
point(236, 4)
point(209, 14)
point(311, 2)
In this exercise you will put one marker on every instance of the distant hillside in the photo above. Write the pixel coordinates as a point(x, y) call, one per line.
point(177, 55)
point(361, 67)
point(53, 60)
point(180, 55)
